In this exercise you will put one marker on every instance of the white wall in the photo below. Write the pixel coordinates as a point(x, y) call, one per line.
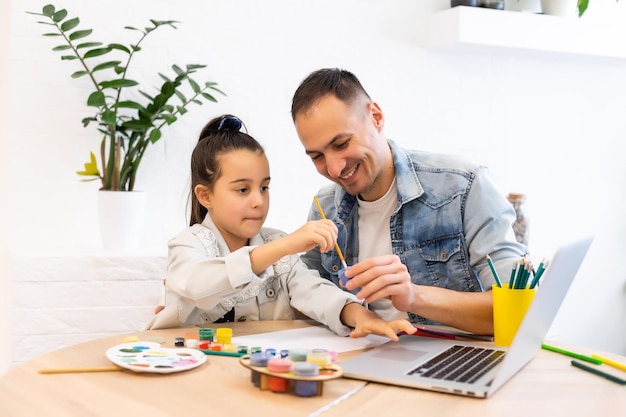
point(548, 125)
point(5, 281)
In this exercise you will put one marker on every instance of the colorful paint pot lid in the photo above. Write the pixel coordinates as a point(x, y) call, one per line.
point(260, 359)
point(306, 369)
point(298, 355)
point(151, 357)
point(279, 365)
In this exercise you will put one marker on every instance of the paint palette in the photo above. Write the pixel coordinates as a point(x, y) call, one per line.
point(151, 357)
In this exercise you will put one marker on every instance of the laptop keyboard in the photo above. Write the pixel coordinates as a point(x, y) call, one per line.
point(460, 363)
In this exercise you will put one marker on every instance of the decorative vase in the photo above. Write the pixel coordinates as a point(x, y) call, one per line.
point(529, 6)
point(520, 227)
point(471, 3)
point(121, 217)
point(564, 8)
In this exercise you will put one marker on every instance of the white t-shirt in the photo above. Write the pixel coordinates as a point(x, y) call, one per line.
point(375, 240)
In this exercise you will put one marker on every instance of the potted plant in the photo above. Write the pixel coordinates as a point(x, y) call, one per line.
point(130, 119)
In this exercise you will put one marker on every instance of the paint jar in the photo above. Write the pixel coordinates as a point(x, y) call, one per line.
point(321, 358)
point(242, 349)
point(298, 355)
point(306, 388)
point(279, 366)
point(258, 359)
point(224, 335)
point(229, 348)
point(206, 334)
point(191, 335)
point(342, 277)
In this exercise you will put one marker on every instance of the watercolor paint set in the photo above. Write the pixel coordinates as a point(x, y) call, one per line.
point(151, 357)
point(298, 371)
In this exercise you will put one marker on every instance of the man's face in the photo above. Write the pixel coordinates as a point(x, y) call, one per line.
point(347, 146)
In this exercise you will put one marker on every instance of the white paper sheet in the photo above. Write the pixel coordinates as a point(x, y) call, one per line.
point(316, 337)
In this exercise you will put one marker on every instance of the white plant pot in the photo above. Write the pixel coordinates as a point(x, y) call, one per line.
point(121, 217)
point(565, 8)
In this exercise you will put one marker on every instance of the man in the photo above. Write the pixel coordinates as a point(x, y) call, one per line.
point(415, 227)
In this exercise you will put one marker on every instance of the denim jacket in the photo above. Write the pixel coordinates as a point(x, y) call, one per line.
point(449, 216)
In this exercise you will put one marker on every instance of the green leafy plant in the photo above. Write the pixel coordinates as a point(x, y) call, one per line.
point(582, 6)
point(128, 126)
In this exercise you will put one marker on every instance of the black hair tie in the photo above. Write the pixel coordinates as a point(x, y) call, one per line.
point(228, 122)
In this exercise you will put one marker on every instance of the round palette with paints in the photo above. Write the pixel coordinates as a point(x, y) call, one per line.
point(151, 357)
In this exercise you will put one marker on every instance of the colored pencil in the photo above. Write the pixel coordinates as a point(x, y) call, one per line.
point(79, 370)
point(319, 208)
point(493, 271)
point(520, 272)
point(610, 362)
point(572, 354)
point(599, 372)
point(527, 268)
point(538, 274)
point(513, 270)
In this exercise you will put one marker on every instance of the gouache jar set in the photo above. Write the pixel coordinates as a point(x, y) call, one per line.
point(216, 341)
point(302, 372)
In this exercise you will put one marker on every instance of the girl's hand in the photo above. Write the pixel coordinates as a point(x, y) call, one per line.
point(322, 233)
point(376, 325)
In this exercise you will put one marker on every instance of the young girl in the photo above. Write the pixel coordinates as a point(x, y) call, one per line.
point(228, 267)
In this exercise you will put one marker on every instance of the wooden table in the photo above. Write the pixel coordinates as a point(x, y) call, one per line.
point(548, 385)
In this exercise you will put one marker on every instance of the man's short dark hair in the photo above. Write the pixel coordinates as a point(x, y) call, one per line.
point(340, 83)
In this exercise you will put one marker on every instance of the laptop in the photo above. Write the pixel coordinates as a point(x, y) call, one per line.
point(470, 368)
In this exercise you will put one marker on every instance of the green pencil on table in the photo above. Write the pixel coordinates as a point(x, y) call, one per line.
point(599, 372)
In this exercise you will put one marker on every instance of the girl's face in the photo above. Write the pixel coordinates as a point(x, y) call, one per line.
point(239, 201)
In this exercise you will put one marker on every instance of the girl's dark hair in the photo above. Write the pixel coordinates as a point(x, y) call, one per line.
point(340, 83)
point(219, 136)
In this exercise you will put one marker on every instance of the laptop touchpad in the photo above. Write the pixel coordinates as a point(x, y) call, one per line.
point(398, 353)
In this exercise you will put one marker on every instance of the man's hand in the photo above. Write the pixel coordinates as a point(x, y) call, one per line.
point(382, 277)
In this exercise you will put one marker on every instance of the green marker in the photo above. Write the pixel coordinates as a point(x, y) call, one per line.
point(572, 354)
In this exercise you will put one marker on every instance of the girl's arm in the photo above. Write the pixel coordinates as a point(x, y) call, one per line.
point(199, 272)
point(322, 233)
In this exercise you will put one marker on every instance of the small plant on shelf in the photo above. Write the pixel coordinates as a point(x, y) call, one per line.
point(128, 126)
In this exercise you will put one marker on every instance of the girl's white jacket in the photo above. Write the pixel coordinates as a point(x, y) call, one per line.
point(205, 280)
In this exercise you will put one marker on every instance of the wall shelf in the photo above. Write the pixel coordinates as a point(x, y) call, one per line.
point(471, 28)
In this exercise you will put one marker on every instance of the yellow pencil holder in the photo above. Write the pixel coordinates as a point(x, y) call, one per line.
point(509, 309)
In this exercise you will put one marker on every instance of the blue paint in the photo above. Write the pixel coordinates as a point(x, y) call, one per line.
point(306, 388)
point(261, 360)
point(342, 276)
